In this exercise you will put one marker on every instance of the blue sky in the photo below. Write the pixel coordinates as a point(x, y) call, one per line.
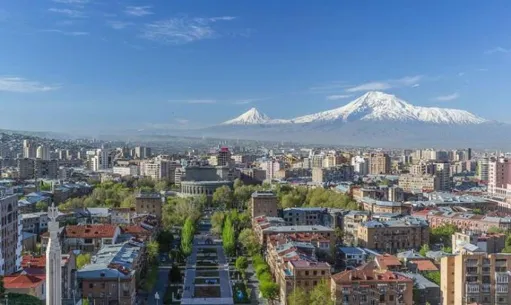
point(73, 65)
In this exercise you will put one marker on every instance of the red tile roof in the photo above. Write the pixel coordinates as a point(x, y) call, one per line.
point(29, 261)
point(386, 260)
point(22, 281)
point(425, 265)
point(368, 273)
point(90, 231)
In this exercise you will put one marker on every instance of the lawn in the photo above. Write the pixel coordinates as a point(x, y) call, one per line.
point(207, 291)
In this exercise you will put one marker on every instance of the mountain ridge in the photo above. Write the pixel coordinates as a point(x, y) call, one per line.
point(372, 106)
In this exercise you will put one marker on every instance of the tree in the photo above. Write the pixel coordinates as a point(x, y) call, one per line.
point(477, 211)
point(291, 200)
point(228, 237)
point(424, 249)
point(82, 260)
point(153, 250)
point(187, 236)
point(433, 276)
point(237, 183)
point(161, 185)
point(298, 297)
point(495, 229)
point(242, 264)
point(223, 197)
point(42, 206)
point(270, 291)
point(249, 241)
point(321, 294)
point(217, 222)
point(339, 234)
point(175, 274)
point(128, 202)
point(177, 210)
point(165, 239)
point(442, 234)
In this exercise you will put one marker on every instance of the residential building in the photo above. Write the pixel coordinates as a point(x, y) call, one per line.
point(443, 173)
point(25, 284)
point(43, 152)
point(483, 167)
point(351, 221)
point(379, 163)
point(263, 204)
point(130, 170)
point(427, 292)
point(29, 149)
point(11, 233)
point(224, 157)
point(369, 285)
point(149, 203)
point(122, 216)
point(424, 183)
point(36, 223)
point(332, 174)
point(465, 221)
point(142, 152)
point(360, 165)
point(394, 235)
point(111, 275)
point(89, 238)
point(327, 217)
point(487, 242)
point(499, 175)
point(476, 278)
point(385, 207)
point(36, 266)
point(271, 167)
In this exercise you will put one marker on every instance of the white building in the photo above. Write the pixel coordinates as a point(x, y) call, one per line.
point(360, 165)
point(130, 170)
point(43, 152)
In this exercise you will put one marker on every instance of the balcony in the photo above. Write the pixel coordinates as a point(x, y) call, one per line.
point(501, 289)
point(486, 288)
point(501, 277)
point(472, 262)
point(472, 288)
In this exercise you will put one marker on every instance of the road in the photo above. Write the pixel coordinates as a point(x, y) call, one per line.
point(161, 285)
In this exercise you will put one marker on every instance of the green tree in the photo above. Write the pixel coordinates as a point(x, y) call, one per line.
point(187, 236)
point(128, 202)
point(175, 274)
point(223, 197)
point(433, 276)
point(237, 183)
point(298, 297)
point(291, 200)
point(41, 206)
point(321, 294)
point(165, 239)
point(424, 249)
point(217, 222)
point(153, 251)
point(339, 234)
point(249, 241)
point(161, 185)
point(177, 210)
point(242, 265)
point(82, 260)
point(270, 291)
point(228, 237)
point(477, 211)
point(443, 234)
point(45, 187)
point(495, 229)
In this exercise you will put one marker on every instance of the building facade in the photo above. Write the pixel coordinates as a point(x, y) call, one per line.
point(263, 204)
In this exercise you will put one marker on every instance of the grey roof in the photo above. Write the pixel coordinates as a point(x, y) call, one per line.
point(263, 194)
point(420, 281)
point(120, 254)
point(293, 229)
point(410, 254)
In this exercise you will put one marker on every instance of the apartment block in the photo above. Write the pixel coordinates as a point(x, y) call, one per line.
point(419, 183)
point(476, 278)
point(11, 233)
point(394, 235)
point(263, 204)
point(88, 238)
point(149, 203)
point(332, 174)
point(370, 285)
point(385, 207)
point(379, 163)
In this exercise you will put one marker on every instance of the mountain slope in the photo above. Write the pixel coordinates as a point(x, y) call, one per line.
point(379, 106)
point(251, 117)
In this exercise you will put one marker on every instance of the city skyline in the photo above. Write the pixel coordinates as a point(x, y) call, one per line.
point(94, 64)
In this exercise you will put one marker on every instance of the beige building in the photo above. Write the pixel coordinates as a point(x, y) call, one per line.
point(420, 183)
point(475, 278)
point(394, 235)
point(149, 203)
point(379, 163)
point(263, 204)
point(369, 284)
point(25, 284)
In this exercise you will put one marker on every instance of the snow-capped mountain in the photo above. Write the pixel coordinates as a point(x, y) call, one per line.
point(379, 106)
point(251, 117)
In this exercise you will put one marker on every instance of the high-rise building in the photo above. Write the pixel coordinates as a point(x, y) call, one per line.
point(11, 232)
point(499, 175)
point(263, 204)
point(332, 174)
point(142, 152)
point(482, 168)
point(29, 149)
point(224, 157)
point(43, 152)
point(360, 165)
point(443, 173)
point(475, 278)
point(379, 163)
point(271, 167)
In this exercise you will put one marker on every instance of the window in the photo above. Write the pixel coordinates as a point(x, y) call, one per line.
point(391, 298)
point(103, 285)
point(382, 298)
point(91, 285)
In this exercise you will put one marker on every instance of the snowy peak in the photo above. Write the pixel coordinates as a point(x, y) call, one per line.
point(379, 106)
point(251, 117)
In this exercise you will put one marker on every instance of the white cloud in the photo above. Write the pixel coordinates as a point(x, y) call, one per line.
point(416, 85)
point(482, 69)
point(119, 25)
point(498, 50)
point(75, 33)
point(71, 1)
point(248, 101)
point(461, 74)
point(21, 85)
point(68, 12)
point(407, 81)
point(338, 97)
point(194, 101)
point(447, 98)
point(138, 11)
point(182, 121)
point(181, 30)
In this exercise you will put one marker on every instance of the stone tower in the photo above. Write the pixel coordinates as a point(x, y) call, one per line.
point(53, 260)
